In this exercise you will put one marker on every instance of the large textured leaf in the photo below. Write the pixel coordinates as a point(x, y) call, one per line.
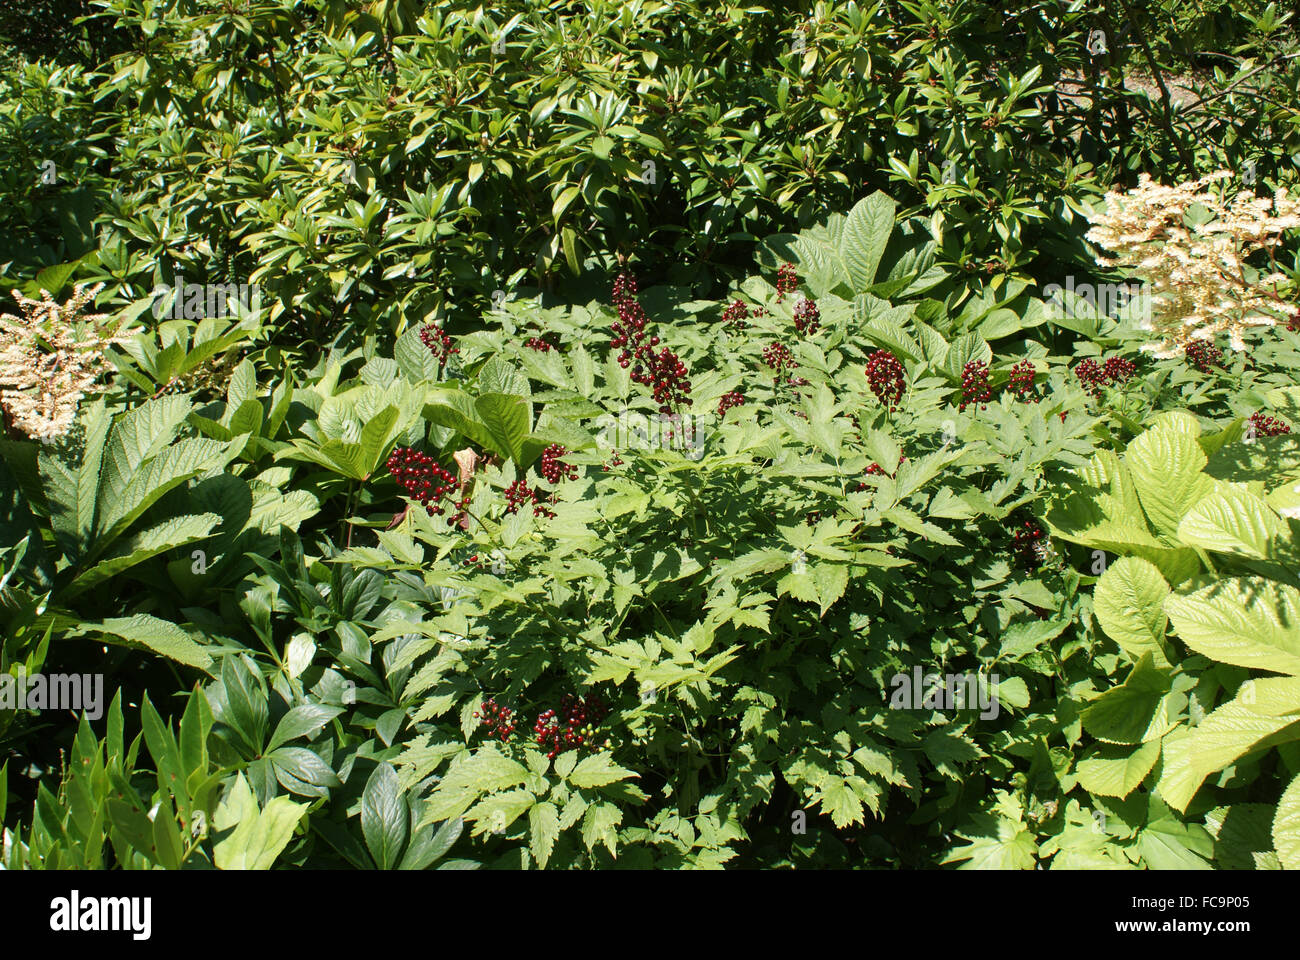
point(455, 409)
point(1166, 466)
point(863, 240)
point(414, 359)
point(72, 489)
point(160, 636)
point(1286, 827)
point(137, 436)
point(1226, 734)
point(1232, 522)
point(1128, 603)
point(1117, 771)
point(167, 535)
point(506, 418)
point(1135, 711)
point(1248, 622)
point(172, 467)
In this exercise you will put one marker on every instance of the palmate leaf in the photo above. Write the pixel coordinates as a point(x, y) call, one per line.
point(137, 436)
point(71, 489)
point(167, 535)
point(995, 843)
point(169, 469)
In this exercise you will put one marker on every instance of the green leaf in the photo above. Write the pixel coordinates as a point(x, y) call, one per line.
point(1247, 622)
point(160, 636)
point(1286, 827)
point(507, 419)
point(384, 816)
point(1232, 522)
point(172, 467)
point(1228, 733)
point(1116, 771)
point(598, 770)
point(862, 243)
point(137, 436)
point(1135, 711)
point(1129, 605)
point(544, 830)
point(168, 535)
point(1166, 466)
point(258, 837)
point(414, 359)
point(304, 720)
point(73, 490)
point(600, 825)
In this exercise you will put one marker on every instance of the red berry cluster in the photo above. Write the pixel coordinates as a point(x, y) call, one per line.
point(1268, 426)
point(777, 356)
point(421, 477)
point(1119, 370)
point(439, 344)
point(975, 385)
point(670, 378)
point(729, 400)
point(1202, 354)
point(629, 328)
point(614, 461)
point(500, 721)
point(573, 727)
point(886, 379)
point(807, 318)
point(735, 316)
point(663, 371)
point(553, 468)
point(1028, 545)
point(1093, 376)
point(519, 493)
point(787, 280)
point(1021, 382)
point(538, 344)
point(876, 470)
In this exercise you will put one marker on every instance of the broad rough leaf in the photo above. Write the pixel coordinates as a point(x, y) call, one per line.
point(1247, 622)
point(1166, 466)
point(1129, 605)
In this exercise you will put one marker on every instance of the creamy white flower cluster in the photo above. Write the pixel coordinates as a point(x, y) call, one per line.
point(50, 357)
point(1201, 283)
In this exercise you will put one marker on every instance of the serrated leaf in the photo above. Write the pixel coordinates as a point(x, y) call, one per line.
point(1116, 771)
point(1247, 622)
point(1129, 605)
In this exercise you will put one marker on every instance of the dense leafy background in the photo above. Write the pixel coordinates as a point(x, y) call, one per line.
point(300, 661)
